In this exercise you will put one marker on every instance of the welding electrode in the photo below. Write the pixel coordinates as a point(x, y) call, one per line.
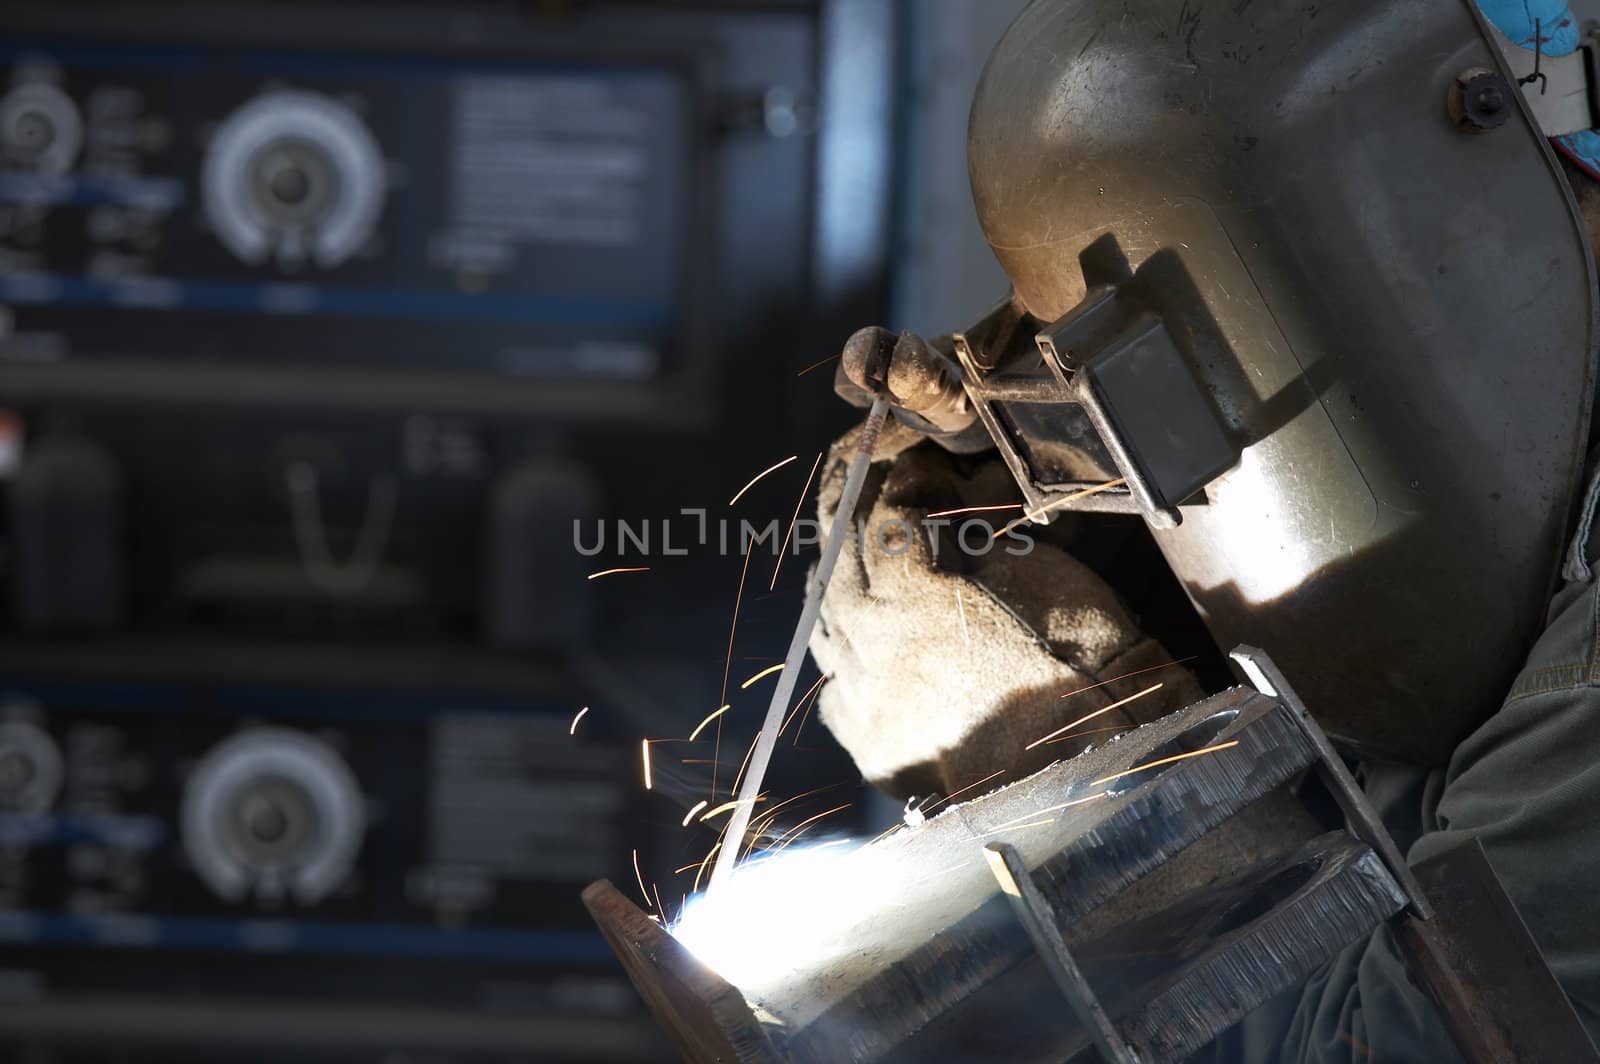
point(746, 798)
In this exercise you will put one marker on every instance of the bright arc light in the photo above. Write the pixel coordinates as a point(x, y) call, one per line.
point(761, 925)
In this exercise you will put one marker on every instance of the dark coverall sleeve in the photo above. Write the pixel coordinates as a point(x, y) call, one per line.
point(1527, 783)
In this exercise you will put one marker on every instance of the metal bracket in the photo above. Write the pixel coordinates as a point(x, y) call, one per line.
point(1263, 674)
point(1033, 912)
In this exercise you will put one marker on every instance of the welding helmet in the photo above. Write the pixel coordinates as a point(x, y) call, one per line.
point(1309, 291)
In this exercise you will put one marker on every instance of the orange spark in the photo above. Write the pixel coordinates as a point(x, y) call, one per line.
point(1088, 717)
point(1124, 676)
point(885, 834)
point(644, 753)
point(727, 664)
point(713, 715)
point(817, 365)
point(613, 572)
point(811, 691)
point(573, 729)
point(701, 804)
point(1165, 761)
point(1041, 511)
point(1013, 826)
point(977, 510)
point(1041, 812)
point(764, 672)
point(757, 478)
point(794, 832)
point(941, 872)
point(798, 504)
point(723, 808)
point(745, 764)
point(696, 888)
point(962, 790)
point(816, 687)
point(640, 876)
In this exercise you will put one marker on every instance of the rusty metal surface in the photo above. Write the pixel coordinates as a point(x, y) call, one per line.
point(1482, 967)
point(706, 1018)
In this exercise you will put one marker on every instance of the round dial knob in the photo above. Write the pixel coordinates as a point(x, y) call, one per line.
point(272, 812)
point(40, 128)
point(293, 176)
point(30, 768)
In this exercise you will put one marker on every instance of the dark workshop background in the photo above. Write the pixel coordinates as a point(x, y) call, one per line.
point(321, 324)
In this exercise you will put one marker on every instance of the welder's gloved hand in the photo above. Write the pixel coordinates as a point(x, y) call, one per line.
point(949, 654)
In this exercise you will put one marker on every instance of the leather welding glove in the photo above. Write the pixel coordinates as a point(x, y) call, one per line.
point(949, 652)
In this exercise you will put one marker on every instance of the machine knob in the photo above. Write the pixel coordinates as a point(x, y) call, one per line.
point(272, 812)
point(293, 176)
point(40, 128)
point(30, 768)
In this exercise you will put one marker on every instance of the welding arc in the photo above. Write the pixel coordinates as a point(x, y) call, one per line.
point(761, 753)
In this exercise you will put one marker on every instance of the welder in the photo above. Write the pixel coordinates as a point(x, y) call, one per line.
point(1476, 692)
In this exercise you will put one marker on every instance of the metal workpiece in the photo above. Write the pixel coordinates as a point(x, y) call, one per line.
point(1392, 320)
point(1482, 967)
point(706, 1018)
point(1264, 675)
point(1036, 917)
point(1130, 903)
point(1242, 942)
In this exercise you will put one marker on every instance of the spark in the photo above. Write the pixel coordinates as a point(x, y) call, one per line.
point(701, 804)
point(719, 810)
point(1166, 761)
point(797, 706)
point(885, 834)
point(1090, 716)
point(794, 832)
point(1018, 824)
point(772, 586)
point(803, 794)
point(941, 872)
point(977, 510)
point(640, 876)
point(698, 728)
point(644, 753)
point(757, 478)
point(613, 572)
point(573, 728)
point(727, 664)
point(702, 871)
point(802, 725)
point(1135, 672)
point(1047, 507)
point(968, 787)
point(662, 909)
point(758, 830)
point(1013, 826)
point(962, 610)
point(764, 672)
point(817, 365)
point(745, 763)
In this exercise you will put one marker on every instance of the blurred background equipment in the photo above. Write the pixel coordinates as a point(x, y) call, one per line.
point(321, 326)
